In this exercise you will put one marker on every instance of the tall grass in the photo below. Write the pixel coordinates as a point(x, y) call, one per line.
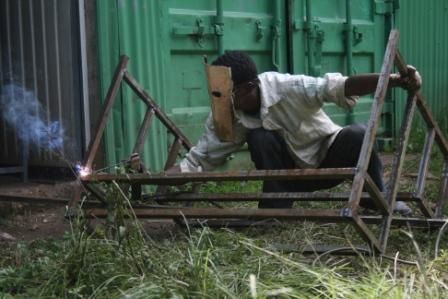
point(204, 263)
point(120, 260)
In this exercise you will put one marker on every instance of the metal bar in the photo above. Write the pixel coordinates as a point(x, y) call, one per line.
point(243, 175)
point(427, 116)
point(424, 207)
point(414, 222)
point(33, 199)
point(424, 110)
point(25, 158)
point(396, 221)
point(366, 234)
point(376, 195)
point(443, 193)
point(220, 25)
point(422, 173)
point(168, 123)
point(16, 169)
point(109, 101)
point(311, 36)
point(296, 196)
point(235, 213)
point(397, 165)
point(235, 197)
point(143, 131)
point(349, 36)
point(172, 155)
point(369, 137)
point(424, 163)
point(349, 48)
point(97, 192)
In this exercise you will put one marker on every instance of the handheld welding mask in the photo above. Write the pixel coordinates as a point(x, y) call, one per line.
point(220, 88)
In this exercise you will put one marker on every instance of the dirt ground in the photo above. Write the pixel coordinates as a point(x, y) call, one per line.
point(27, 222)
point(22, 221)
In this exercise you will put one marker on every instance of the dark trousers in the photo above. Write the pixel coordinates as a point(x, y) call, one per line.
point(269, 151)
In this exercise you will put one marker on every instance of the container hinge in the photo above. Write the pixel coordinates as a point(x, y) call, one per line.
point(260, 29)
point(198, 32)
point(386, 7)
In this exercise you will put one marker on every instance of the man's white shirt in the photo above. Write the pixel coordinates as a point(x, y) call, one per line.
point(291, 105)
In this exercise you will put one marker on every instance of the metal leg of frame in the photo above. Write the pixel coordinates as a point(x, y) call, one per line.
point(397, 165)
point(422, 173)
point(369, 138)
point(143, 131)
point(109, 101)
point(443, 193)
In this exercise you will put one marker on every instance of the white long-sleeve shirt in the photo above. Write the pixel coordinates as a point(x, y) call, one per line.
point(291, 105)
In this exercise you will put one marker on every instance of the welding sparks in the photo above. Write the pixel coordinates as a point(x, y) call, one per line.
point(82, 171)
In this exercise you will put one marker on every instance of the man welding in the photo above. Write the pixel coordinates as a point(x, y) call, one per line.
point(280, 117)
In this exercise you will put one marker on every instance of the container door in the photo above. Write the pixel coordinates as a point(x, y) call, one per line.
point(340, 36)
point(257, 27)
point(166, 42)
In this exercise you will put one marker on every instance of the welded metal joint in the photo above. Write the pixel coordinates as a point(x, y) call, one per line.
point(346, 212)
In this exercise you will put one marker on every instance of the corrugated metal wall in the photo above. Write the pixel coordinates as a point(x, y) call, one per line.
point(133, 28)
point(39, 51)
point(423, 29)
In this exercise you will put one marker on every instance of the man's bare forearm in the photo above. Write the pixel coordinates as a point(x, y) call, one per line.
point(360, 85)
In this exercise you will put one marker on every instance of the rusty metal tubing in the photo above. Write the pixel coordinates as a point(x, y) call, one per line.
point(424, 163)
point(369, 137)
point(135, 86)
point(396, 221)
point(424, 110)
point(422, 173)
point(443, 193)
point(173, 152)
point(376, 195)
point(109, 101)
point(172, 155)
point(397, 164)
point(143, 131)
point(295, 196)
point(96, 191)
point(232, 213)
point(242, 175)
point(33, 200)
point(366, 233)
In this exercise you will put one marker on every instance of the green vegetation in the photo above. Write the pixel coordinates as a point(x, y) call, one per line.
point(205, 263)
point(120, 259)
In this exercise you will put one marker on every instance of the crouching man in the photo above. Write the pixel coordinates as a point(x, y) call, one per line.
point(280, 117)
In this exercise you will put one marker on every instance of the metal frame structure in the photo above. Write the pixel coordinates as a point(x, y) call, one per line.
point(362, 184)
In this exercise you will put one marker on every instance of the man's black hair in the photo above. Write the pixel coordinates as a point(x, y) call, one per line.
point(243, 67)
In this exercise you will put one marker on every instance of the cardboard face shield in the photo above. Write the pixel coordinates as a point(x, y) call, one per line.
point(220, 86)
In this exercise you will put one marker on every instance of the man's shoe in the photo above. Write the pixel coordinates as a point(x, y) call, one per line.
point(402, 208)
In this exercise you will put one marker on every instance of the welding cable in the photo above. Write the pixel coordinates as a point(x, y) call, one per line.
point(360, 249)
point(439, 236)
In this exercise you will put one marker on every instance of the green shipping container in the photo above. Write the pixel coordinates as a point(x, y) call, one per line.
point(166, 41)
point(423, 29)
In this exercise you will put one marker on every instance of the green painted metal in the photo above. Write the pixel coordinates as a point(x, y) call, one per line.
point(342, 36)
point(133, 28)
point(166, 42)
point(424, 43)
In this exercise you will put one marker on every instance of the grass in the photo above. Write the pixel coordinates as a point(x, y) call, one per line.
point(121, 260)
point(205, 263)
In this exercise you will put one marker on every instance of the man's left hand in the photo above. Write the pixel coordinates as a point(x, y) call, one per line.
point(412, 81)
